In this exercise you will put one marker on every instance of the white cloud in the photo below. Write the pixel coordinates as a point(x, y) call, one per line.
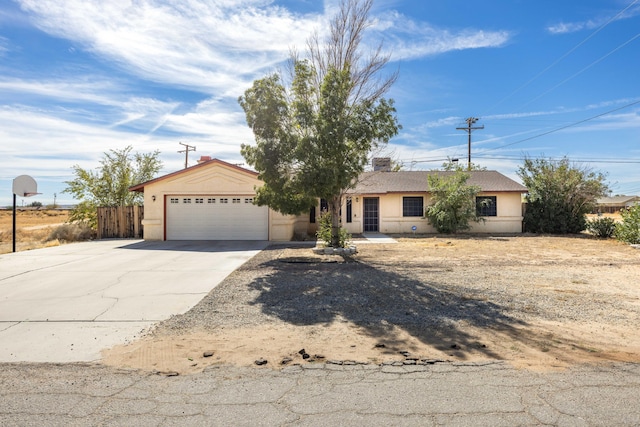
point(591, 24)
point(570, 27)
point(220, 47)
point(215, 46)
point(426, 40)
point(46, 146)
point(63, 90)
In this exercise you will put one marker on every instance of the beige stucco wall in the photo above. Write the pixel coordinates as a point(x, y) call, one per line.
point(285, 227)
point(509, 219)
point(215, 179)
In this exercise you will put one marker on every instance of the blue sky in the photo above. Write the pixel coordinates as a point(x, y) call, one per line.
point(546, 78)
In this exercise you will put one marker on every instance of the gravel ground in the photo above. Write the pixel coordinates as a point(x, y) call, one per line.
point(539, 300)
point(373, 288)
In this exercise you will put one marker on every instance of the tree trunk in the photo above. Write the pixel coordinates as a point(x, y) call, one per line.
point(334, 208)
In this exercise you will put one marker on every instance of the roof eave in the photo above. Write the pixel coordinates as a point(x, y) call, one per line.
point(140, 187)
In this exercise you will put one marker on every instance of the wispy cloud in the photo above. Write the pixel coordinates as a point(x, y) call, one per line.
point(3, 46)
point(214, 46)
point(591, 24)
point(427, 40)
point(219, 47)
point(76, 90)
point(72, 142)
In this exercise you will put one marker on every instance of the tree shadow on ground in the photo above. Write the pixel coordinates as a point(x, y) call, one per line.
point(378, 301)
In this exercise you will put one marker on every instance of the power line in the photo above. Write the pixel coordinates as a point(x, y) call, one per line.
point(562, 127)
point(557, 61)
point(579, 160)
point(582, 70)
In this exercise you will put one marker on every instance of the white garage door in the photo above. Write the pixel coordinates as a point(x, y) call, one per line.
point(216, 218)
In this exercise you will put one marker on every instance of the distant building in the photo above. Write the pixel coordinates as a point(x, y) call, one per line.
point(615, 204)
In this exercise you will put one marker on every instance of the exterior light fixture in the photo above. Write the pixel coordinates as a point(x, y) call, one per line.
point(153, 198)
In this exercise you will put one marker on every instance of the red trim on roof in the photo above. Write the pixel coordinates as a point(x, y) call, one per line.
point(140, 187)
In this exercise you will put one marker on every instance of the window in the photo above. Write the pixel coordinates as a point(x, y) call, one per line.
point(486, 206)
point(199, 201)
point(324, 206)
point(413, 206)
point(235, 201)
point(211, 200)
point(349, 209)
point(225, 200)
point(186, 200)
point(175, 200)
point(312, 215)
point(248, 200)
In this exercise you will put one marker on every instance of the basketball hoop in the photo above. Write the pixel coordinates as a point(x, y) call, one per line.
point(23, 186)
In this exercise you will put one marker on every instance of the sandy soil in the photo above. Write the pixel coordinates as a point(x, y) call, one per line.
point(567, 301)
point(33, 227)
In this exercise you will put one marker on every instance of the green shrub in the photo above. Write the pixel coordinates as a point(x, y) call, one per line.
point(75, 232)
point(324, 231)
point(629, 230)
point(602, 227)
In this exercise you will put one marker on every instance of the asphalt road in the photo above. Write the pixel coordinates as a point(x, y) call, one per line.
point(67, 303)
point(449, 394)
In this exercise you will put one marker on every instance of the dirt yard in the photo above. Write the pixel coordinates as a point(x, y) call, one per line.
point(33, 228)
point(537, 302)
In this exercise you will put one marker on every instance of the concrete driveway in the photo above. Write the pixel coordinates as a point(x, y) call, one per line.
point(67, 303)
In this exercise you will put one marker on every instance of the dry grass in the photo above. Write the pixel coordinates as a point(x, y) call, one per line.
point(33, 228)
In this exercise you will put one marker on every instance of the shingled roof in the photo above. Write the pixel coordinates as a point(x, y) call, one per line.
point(416, 182)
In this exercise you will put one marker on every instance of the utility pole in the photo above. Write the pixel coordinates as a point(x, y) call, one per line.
point(186, 150)
point(470, 121)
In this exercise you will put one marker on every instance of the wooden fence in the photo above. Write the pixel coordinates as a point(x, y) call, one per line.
point(120, 222)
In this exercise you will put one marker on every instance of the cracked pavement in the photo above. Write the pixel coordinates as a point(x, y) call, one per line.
point(460, 394)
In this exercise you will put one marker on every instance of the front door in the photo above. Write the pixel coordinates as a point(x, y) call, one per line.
point(371, 216)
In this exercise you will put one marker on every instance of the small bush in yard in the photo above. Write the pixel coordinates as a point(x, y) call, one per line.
point(629, 230)
point(75, 232)
point(324, 231)
point(602, 227)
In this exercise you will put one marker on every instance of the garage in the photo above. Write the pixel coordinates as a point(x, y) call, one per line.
point(214, 217)
point(212, 200)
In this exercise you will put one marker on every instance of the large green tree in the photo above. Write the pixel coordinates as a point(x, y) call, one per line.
point(109, 184)
point(452, 202)
point(560, 195)
point(313, 136)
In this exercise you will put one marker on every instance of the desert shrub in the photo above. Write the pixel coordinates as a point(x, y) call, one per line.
point(560, 195)
point(629, 229)
point(602, 227)
point(324, 231)
point(452, 202)
point(74, 232)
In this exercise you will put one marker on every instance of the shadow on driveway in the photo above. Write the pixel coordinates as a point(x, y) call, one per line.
point(199, 245)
